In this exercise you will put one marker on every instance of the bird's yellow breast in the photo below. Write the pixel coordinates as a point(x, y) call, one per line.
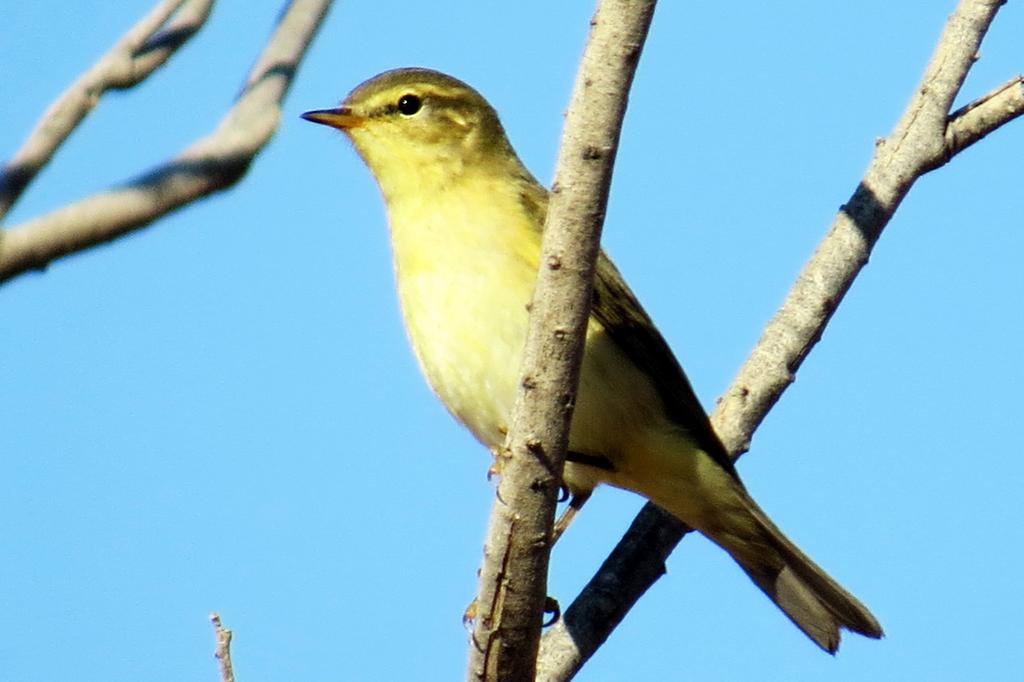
point(465, 264)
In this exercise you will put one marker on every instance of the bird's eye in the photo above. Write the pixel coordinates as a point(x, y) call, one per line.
point(409, 104)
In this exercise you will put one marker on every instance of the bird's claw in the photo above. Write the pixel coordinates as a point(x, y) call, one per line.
point(551, 606)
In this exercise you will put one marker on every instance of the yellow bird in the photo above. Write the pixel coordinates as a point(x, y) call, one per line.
point(466, 218)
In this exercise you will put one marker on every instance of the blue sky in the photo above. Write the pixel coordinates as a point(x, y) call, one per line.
point(221, 412)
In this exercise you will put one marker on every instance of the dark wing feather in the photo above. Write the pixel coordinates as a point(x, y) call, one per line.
point(632, 330)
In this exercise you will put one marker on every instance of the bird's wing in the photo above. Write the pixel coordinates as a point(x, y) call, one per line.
point(631, 329)
point(629, 326)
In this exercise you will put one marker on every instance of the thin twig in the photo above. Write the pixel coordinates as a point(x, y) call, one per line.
point(513, 578)
point(223, 650)
point(926, 137)
point(212, 163)
point(144, 48)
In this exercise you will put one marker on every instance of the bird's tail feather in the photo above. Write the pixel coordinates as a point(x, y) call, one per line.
point(815, 602)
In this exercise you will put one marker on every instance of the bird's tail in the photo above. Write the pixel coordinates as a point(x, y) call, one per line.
point(815, 602)
point(703, 494)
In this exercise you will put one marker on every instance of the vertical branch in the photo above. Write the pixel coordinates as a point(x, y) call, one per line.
point(223, 650)
point(926, 137)
point(513, 579)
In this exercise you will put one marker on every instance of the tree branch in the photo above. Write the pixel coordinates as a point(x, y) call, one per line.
point(513, 579)
point(212, 163)
point(973, 122)
point(223, 650)
point(143, 49)
point(925, 138)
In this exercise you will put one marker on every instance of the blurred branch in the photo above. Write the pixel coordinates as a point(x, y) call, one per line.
point(212, 163)
point(926, 137)
point(513, 578)
point(138, 54)
point(223, 650)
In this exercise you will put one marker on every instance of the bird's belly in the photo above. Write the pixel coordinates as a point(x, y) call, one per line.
point(468, 329)
point(464, 293)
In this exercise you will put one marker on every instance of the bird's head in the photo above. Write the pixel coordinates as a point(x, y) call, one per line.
point(419, 129)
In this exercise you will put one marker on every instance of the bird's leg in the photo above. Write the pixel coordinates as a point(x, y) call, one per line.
point(575, 504)
point(498, 457)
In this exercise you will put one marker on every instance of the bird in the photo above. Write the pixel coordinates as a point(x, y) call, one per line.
point(466, 219)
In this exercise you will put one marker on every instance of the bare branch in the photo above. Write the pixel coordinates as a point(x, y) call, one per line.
point(925, 137)
point(223, 650)
point(210, 164)
point(138, 54)
point(917, 145)
point(513, 579)
point(973, 122)
point(162, 45)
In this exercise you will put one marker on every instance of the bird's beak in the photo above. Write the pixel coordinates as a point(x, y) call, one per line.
point(341, 118)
